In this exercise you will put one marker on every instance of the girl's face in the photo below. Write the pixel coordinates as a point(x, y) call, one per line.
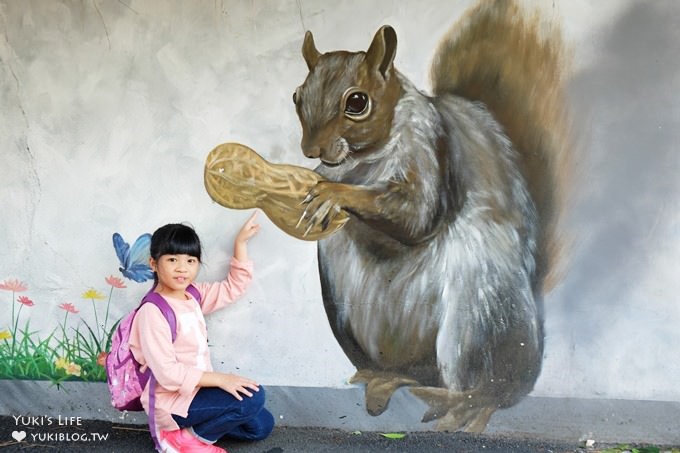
point(175, 273)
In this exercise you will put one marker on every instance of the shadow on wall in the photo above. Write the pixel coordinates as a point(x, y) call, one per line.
point(635, 163)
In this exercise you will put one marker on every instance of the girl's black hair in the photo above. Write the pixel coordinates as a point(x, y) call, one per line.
point(175, 239)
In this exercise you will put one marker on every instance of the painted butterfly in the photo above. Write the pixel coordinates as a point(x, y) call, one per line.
point(134, 260)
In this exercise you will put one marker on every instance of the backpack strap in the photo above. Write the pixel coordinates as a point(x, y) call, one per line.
point(191, 289)
point(162, 304)
point(152, 412)
point(165, 308)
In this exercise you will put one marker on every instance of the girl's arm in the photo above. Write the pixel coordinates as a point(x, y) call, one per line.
point(217, 295)
point(231, 383)
point(152, 337)
point(248, 230)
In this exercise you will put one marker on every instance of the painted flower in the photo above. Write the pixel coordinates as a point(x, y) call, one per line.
point(5, 335)
point(101, 358)
point(93, 294)
point(73, 369)
point(69, 307)
point(61, 362)
point(25, 301)
point(13, 285)
point(115, 282)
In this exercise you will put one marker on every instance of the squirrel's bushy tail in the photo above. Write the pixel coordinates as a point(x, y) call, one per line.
point(510, 61)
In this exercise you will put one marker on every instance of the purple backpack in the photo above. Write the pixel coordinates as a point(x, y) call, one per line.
point(126, 381)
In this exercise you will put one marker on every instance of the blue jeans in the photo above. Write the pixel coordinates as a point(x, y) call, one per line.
point(214, 413)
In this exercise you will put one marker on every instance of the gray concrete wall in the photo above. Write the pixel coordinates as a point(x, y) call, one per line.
point(109, 109)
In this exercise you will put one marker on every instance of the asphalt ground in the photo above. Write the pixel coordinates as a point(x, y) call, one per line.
point(103, 436)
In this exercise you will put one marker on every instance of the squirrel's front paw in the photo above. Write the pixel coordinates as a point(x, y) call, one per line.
point(321, 207)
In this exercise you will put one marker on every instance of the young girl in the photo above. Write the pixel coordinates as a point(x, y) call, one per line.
point(195, 405)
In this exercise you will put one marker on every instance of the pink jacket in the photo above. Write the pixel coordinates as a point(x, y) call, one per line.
point(178, 366)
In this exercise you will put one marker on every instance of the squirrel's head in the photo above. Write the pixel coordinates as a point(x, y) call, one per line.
point(347, 101)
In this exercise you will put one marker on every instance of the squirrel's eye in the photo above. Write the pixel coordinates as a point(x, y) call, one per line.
point(295, 96)
point(357, 104)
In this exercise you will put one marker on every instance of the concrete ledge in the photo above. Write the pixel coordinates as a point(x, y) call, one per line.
point(563, 419)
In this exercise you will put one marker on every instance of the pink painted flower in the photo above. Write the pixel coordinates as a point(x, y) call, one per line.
point(115, 282)
point(13, 285)
point(26, 301)
point(69, 307)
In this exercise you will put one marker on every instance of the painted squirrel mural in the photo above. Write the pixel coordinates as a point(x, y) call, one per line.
point(435, 214)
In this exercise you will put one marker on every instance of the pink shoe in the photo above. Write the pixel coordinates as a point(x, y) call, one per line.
point(182, 441)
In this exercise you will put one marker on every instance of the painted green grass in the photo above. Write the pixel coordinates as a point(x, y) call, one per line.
point(64, 354)
point(28, 358)
point(57, 358)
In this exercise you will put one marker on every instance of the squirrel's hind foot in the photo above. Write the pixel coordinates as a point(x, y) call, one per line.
point(380, 385)
point(467, 411)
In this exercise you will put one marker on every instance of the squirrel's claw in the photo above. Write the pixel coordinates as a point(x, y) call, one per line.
point(321, 216)
point(322, 208)
point(309, 197)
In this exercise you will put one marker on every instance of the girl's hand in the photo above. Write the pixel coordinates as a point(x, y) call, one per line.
point(231, 383)
point(247, 231)
point(237, 385)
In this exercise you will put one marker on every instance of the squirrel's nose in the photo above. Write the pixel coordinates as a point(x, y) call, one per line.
point(313, 152)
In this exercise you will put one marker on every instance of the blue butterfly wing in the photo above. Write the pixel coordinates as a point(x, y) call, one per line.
point(139, 253)
point(122, 249)
point(138, 272)
point(134, 260)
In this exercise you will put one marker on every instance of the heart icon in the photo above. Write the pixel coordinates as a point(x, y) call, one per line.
point(19, 435)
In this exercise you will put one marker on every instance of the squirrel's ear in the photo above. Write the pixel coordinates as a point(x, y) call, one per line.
point(309, 52)
point(380, 54)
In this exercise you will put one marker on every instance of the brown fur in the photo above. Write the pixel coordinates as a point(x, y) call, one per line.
point(517, 65)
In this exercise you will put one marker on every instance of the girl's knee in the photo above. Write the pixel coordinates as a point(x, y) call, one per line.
point(266, 424)
point(255, 403)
